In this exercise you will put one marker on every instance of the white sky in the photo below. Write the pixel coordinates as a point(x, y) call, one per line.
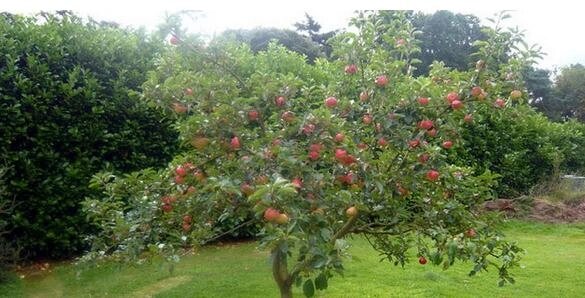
point(556, 26)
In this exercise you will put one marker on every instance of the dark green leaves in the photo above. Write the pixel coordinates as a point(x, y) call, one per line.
point(309, 288)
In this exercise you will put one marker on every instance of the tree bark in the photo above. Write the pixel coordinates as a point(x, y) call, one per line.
point(280, 272)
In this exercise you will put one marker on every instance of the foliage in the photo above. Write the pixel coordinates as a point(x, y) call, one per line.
point(69, 107)
point(258, 39)
point(311, 28)
point(446, 37)
point(520, 145)
point(315, 153)
point(8, 252)
point(517, 143)
point(570, 91)
point(540, 90)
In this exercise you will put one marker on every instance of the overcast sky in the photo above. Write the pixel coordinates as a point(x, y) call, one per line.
point(556, 26)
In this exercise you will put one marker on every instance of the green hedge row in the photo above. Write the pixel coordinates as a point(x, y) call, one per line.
point(69, 107)
point(523, 146)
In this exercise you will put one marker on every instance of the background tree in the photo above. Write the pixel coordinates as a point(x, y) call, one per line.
point(570, 90)
point(312, 29)
point(542, 93)
point(447, 37)
point(258, 39)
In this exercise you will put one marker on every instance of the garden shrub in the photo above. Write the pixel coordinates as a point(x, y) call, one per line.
point(69, 107)
point(522, 146)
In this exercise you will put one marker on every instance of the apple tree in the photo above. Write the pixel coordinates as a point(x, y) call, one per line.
point(313, 154)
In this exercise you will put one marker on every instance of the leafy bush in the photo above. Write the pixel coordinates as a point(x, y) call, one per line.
point(69, 107)
point(8, 252)
point(522, 146)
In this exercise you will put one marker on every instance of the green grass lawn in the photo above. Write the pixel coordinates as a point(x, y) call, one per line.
point(553, 267)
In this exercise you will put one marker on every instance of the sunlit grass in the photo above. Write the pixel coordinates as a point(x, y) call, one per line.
point(553, 267)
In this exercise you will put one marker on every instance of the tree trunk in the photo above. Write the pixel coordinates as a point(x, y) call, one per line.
point(280, 272)
point(286, 292)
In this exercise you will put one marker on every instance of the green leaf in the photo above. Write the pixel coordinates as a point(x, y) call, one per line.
point(319, 261)
point(298, 281)
point(321, 282)
point(309, 288)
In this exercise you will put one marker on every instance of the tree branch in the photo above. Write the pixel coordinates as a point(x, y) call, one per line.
point(345, 229)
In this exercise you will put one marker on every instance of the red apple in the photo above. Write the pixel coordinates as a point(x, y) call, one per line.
point(452, 96)
point(308, 129)
point(500, 103)
point(168, 200)
point(271, 214)
point(426, 124)
point(364, 96)
point(331, 102)
point(340, 153)
point(351, 69)
point(297, 182)
point(174, 40)
point(423, 158)
point(186, 227)
point(382, 142)
point(316, 147)
point(187, 218)
point(189, 166)
point(342, 156)
point(447, 144)
point(313, 155)
point(422, 260)
point(180, 170)
point(456, 104)
point(401, 190)
point(381, 81)
point(348, 178)
point(339, 137)
point(246, 189)
point(482, 96)
point(179, 108)
point(235, 143)
point(280, 101)
point(179, 179)
point(288, 117)
point(432, 175)
point(188, 91)
point(367, 119)
point(431, 133)
point(413, 143)
point(470, 233)
point(253, 115)
point(400, 42)
point(476, 91)
point(423, 101)
point(167, 207)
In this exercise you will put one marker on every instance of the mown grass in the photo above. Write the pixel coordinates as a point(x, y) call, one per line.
point(554, 266)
